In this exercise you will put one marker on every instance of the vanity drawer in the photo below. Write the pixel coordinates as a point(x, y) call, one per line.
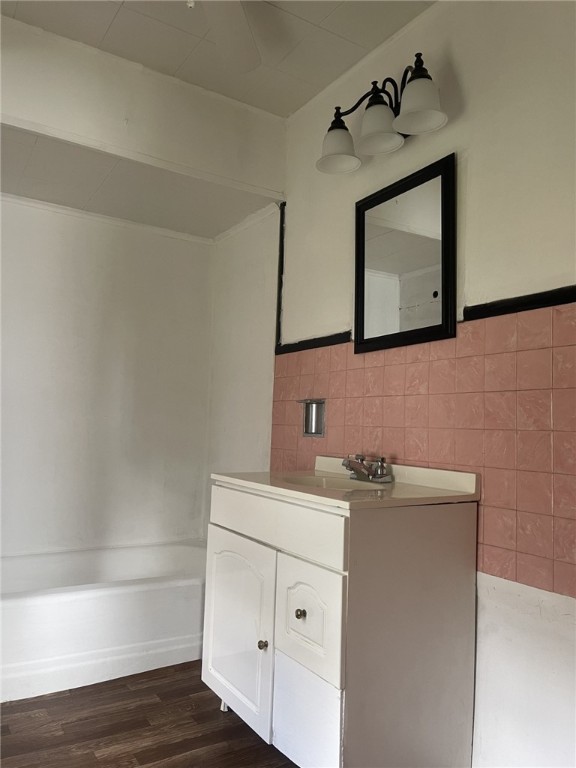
point(310, 616)
point(304, 531)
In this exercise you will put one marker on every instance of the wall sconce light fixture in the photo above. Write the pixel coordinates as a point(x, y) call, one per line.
point(392, 113)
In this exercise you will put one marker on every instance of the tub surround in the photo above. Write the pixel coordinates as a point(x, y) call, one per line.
point(499, 399)
point(102, 383)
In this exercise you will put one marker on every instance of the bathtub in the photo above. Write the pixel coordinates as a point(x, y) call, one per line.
point(76, 618)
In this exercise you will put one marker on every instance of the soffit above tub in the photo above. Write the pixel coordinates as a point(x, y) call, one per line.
point(304, 44)
point(54, 171)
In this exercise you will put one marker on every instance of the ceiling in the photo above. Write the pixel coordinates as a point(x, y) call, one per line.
point(304, 44)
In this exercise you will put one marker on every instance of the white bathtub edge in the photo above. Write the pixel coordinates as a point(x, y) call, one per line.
point(34, 678)
point(80, 591)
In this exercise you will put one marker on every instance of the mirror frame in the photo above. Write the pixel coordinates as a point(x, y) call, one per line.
point(446, 170)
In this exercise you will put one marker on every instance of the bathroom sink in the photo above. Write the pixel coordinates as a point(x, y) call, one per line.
point(328, 481)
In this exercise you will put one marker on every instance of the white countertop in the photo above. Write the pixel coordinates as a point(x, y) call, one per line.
point(412, 486)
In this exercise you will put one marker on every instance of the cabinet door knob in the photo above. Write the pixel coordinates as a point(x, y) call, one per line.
point(262, 645)
point(300, 613)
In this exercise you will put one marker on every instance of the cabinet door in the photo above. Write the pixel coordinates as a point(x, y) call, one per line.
point(310, 616)
point(239, 617)
point(307, 716)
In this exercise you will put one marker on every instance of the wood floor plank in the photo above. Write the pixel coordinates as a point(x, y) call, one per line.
point(19, 722)
point(166, 674)
point(19, 744)
point(182, 712)
point(57, 758)
point(167, 692)
point(207, 716)
point(120, 719)
point(261, 755)
point(100, 699)
point(94, 728)
point(187, 746)
point(155, 736)
point(24, 705)
point(91, 708)
point(45, 730)
point(165, 718)
point(210, 756)
point(125, 761)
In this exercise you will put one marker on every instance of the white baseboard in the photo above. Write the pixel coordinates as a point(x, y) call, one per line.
point(34, 678)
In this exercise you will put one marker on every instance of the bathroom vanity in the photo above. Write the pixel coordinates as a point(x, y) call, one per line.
point(340, 614)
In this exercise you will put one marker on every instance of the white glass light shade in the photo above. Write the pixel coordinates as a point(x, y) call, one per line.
point(420, 109)
point(338, 153)
point(377, 136)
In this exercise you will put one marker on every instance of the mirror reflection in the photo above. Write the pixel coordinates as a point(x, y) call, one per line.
point(405, 260)
point(403, 263)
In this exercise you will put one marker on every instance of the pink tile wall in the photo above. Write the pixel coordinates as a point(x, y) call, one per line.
point(500, 399)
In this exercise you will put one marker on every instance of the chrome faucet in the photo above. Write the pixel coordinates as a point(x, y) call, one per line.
point(371, 471)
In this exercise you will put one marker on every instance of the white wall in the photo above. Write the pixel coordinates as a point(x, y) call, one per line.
point(382, 303)
point(105, 388)
point(418, 307)
point(66, 89)
point(526, 671)
point(506, 73)
point(244, 283)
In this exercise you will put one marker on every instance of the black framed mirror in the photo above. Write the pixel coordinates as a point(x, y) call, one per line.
point(405, 290)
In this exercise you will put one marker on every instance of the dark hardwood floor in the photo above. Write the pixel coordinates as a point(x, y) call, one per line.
point(166, 718)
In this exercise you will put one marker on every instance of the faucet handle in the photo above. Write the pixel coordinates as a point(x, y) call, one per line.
point(359, 457)
point(380, 469)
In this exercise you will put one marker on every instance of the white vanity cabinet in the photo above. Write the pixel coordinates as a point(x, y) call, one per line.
point(340, 621)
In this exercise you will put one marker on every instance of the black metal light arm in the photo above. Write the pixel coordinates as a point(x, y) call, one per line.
point(377, 93)
point(393, 98)
point(374, 91)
